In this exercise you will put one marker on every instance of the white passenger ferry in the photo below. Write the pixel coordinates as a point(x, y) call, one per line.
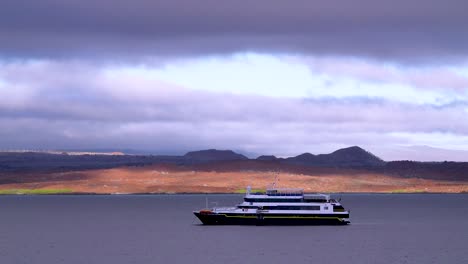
point(278, 207)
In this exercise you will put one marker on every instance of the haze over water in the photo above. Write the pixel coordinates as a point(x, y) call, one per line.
point(386, 228)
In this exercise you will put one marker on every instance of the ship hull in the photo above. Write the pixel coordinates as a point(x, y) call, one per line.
point(269, 219)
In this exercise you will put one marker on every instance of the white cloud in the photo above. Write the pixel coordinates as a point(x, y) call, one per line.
point(296, 76)
point(242, 73)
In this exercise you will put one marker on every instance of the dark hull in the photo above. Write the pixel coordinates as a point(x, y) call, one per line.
point(262, 219)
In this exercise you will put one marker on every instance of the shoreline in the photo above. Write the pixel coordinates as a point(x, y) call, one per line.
point(217, 193)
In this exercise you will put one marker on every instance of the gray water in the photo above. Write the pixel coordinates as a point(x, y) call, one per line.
point(396, 228)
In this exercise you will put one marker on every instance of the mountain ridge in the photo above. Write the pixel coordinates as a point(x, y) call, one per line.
point(352, 159)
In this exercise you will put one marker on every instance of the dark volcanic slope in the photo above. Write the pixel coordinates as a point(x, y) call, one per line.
point(267, 158)
point(428, 170)
point(212, 155)
point(353, 157)
point(33, 161)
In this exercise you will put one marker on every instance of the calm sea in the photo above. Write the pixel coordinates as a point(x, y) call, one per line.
point(396, 228)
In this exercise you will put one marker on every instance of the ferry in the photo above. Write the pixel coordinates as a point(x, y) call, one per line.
point(278, 206)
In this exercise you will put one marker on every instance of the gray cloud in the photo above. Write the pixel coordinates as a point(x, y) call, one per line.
point(113, 29)
point(83, 92)
point(419, 77)
point(75, 105)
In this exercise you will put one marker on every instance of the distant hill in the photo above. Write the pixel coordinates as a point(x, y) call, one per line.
point(267, 158)
point(40, 161)
point(212, 155)
point(347, 157)
point(428, 170)
point(303, 159)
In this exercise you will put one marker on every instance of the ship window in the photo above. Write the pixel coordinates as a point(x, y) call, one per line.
point(325, 208)
point(292, 207)
point(267, 200)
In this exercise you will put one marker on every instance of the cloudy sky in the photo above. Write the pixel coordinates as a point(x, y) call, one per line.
point(257, 76)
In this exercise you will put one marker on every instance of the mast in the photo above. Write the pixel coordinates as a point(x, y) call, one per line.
point(276, 180)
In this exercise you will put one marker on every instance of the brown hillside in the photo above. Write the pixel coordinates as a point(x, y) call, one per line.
point(203, 179)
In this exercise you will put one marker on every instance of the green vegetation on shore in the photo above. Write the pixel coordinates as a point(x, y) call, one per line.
point(35, 191)
point(243, 191)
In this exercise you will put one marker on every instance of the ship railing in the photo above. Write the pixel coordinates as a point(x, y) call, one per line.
point(224, 209)
point(320, 196)
point(284, 192)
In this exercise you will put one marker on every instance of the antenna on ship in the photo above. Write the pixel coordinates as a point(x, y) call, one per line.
point(273, 184)
point(276, 179)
